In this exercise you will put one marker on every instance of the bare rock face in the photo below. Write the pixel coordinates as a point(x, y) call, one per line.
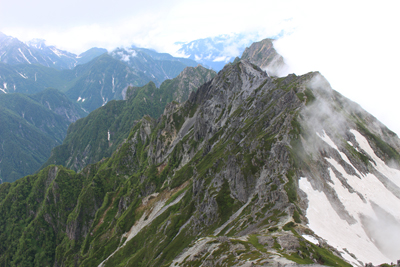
point(189, 80)
point(264, 55)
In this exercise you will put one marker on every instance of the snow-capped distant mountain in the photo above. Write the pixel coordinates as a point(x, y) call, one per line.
point(36, 52)
point(215, 52)
point(157, 66)
point(59, 58)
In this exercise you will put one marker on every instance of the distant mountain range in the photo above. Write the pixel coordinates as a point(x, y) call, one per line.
point(157, 67)
point(86, 82)
point(36, 52)
point(92, 78)
point(216, 52)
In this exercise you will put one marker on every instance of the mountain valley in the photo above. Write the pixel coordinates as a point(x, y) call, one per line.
point(31, 126)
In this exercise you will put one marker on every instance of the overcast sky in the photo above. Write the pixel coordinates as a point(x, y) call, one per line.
point(354, 44)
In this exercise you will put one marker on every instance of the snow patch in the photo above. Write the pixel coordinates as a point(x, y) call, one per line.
point(326, 223)
point(22, 75)
point(375, 236)
point(32, 55)
point(350, 143)
point(311, 239)
point(4, 91)
point(19, 49)
point(332, 144)
point(56, 51)
point(392, 174)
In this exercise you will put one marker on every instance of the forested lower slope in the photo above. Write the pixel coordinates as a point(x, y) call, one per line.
point(31, 126)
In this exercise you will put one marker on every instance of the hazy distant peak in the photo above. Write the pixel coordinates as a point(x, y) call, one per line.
point(37, 43)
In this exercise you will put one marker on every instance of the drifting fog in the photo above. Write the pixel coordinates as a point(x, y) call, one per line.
point(355, 46)
point(365, 214)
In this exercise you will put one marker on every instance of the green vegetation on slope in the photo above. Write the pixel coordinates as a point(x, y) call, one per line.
point(31, 127)
point(87, 139)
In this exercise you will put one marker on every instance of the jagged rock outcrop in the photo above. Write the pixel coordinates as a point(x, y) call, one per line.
point(189, 80)
point(264, 55)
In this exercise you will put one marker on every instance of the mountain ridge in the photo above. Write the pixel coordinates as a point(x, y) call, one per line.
point(115, 120)
point(15, 52)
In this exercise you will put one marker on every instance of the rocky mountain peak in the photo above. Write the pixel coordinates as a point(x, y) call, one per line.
point(264, 55)
point(234, 82)
point(37, 43)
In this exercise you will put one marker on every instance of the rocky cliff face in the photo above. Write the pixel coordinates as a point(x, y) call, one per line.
point(232, 177)
point(264, 55)
point(189, 80)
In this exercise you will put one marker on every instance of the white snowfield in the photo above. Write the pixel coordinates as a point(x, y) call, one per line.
point(375, 236)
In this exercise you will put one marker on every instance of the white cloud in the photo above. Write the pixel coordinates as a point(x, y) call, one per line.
point(221, 58)
point(156, 24)
point(354, 44)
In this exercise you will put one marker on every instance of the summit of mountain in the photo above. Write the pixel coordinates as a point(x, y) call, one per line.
point(264, 55)
point(90, 54)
